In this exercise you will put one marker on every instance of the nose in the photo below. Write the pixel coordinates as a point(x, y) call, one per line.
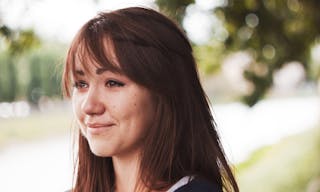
point(93, 104)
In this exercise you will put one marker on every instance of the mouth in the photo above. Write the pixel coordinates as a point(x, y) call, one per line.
point(98, 128)
point(98, 125)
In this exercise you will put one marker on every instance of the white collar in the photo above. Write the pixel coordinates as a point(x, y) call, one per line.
point(183, 181)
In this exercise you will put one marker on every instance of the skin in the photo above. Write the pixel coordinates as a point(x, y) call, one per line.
point(113, 114)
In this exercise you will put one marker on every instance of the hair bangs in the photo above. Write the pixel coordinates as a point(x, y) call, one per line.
point(89, 49)
point(96, 49)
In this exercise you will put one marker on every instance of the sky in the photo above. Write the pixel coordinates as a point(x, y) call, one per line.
point(60, 19)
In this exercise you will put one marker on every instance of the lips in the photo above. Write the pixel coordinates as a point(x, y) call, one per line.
point(98, 125)
point(98, 128)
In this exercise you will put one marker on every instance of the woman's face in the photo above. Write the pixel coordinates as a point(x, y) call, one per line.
point(112, 111)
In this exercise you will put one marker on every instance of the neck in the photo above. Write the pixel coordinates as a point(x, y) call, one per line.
point(126, 171)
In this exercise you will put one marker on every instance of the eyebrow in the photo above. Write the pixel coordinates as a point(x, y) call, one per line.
point(79, 72)
point(99, 71)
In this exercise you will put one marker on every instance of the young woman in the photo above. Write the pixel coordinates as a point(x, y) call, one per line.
point(144, 119)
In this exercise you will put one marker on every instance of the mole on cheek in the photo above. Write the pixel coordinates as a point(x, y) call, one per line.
point(135, 104)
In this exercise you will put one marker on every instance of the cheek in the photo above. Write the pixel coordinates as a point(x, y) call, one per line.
point(76, 106)
point(143, 108)
point(121, 104)
point(78, 115)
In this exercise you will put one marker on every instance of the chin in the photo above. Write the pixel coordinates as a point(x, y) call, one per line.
point(99, 154)
point(99, 149)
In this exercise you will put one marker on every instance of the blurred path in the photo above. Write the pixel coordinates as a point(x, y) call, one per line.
point(243, 129)
point(37, 167)
point(46, 165)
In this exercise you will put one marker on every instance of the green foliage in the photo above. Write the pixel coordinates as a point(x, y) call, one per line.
point(32, 75)
point(290, 165)
point(7, 78)
point(174, 8)
point(209, 56)
point(45, 75)
point(274, 31)
point(5, 31)
point(17, 42)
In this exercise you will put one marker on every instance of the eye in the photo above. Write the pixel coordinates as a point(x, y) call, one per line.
point(80, 85)
point(114, 83)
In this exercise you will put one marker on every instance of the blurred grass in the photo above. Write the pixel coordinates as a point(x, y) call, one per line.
point(37, 125)
point(287, 166)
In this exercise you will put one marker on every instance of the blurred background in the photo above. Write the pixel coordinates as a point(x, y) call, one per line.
point(259, 62)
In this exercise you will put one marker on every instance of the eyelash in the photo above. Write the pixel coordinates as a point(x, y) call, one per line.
point(80, 84)
point(113, 83)
point(110, 83)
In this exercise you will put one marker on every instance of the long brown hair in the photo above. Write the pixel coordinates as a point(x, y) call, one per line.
point(153, 52)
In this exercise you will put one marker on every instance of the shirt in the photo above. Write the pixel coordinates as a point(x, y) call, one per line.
point(190, 184)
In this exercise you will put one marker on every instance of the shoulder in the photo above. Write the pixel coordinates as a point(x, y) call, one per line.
point(200, 185)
